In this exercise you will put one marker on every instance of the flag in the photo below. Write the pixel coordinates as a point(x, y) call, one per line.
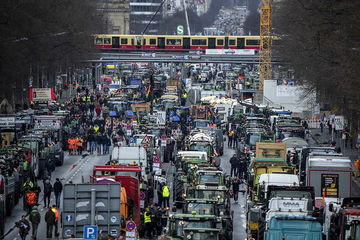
point(147, 91)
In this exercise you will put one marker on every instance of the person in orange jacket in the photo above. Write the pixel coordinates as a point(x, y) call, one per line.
point(71, 142)
point(56, 220)
point(79, 143)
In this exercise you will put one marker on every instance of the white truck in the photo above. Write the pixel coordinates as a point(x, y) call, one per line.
point(132, 156)
point(277, 179)
point(288, 206)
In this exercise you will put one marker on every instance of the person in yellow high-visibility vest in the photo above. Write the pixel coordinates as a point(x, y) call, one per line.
point(147, 221)
point(165, 195)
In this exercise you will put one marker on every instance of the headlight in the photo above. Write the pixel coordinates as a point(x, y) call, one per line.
point(189, 236)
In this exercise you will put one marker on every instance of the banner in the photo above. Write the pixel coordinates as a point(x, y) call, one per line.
point(41, 94)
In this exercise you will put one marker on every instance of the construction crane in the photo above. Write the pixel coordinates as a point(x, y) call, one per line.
point(265, 42)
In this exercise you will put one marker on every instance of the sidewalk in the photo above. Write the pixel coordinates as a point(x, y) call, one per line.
point(324, 139)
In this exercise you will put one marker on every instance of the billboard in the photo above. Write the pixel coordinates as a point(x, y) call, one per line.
point(41, 94)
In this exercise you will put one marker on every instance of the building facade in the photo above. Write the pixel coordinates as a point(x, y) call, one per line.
point(117, 16)
point(142, 12)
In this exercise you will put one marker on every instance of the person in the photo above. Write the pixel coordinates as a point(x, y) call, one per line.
point(235, 137)
point(50, 221)
point(98, 110)
point(58, 187)
point(158, 216)
point(45, 176)
point(212, 125)
point(249, 237)
point(55, 211)
point(150, 194)
point(242, 168)
point(236, 188)
point(233, 161)
point(322, 127)
point(147, 221)
point(230, 134)
point(24, 227)
point(30, 200)
point(47, 192)
point(28, 182)
point(160, 196)
point(37, 190)
point(50, 167)
point(165, 195)
point(35, 219)
point(329, 126)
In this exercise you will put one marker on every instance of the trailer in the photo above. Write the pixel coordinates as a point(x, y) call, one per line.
point(331, 176)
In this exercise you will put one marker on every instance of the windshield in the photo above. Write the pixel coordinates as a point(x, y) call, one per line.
point(210, 194)
point(127, 67)
point(290, 194)
point(200, 208)
point(114, 86)
point(238, 109)
point(199, 148)
point(209, 178)
point(254, 139)
point(355, 231)
point(176, 227)
point(200, 235)
point(200, 124)
point(169, 104)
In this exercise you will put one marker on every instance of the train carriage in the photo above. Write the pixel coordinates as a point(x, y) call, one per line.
point(175, 43)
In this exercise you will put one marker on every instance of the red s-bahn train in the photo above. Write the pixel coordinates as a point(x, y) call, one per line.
point(175, 43)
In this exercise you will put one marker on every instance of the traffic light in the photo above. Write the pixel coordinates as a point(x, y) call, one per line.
point(169, 7)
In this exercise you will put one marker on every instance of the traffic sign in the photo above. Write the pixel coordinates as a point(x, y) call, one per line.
point(160, 164)
point(130, 226)
point(132, 140)
point(90, 232)
point(145, 141)
point(128, 127)
point(148, 55)
point(68, 218)
point(163, 137)
point(120, 139)
point(180, 30)
point(134, 118)
point(156, 159)
point(142, 195)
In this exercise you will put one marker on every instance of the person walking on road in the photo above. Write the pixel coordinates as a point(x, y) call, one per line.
point(230, 135)
point(50, 167)
point(242, 168)
point(30, 200)
point(47, 192)
point(56, 223)
point(50, 221)
point(233, 162)
point(35, 219)
point(37, 190)
point(148, 224)
point(236, 188)
point(166, 195)
point(58, 187)
point(160, 195)
point(24, 227)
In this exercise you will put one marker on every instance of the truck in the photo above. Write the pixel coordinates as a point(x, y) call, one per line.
point(293, 227)
point(132, 156)
point(94, 204)
point(331, 176)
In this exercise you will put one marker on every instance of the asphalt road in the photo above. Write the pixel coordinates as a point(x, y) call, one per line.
point(77, 169)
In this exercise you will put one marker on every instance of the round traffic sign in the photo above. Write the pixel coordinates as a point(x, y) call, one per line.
point(160, 164)
point(134, 118)
point(156, 159)
point(128, 127)
point(142, 195)
point(130, 226)
point(163, 137)
point(120, 139)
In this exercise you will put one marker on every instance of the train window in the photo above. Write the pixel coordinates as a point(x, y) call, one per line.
point(99, 40)
point(174, 42)
point(152, 41)
point(220, 42)
point(253, 42)
point(199, 42)
point(124, 41)
point(106, 40)
point(144, 41)
point(232, 42)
